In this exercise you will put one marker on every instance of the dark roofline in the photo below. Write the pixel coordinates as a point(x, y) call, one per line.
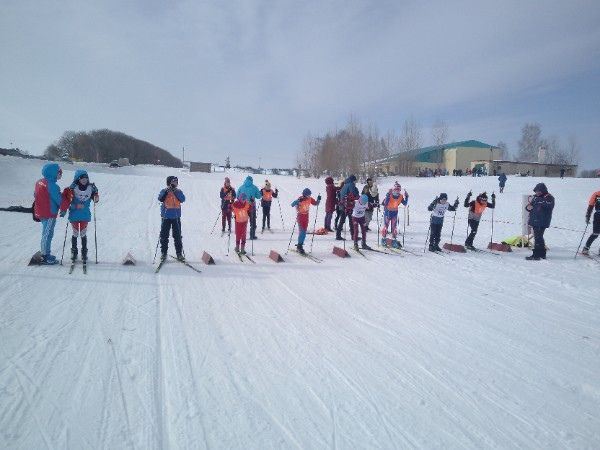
point(526, 162)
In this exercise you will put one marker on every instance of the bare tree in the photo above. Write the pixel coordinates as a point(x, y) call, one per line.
point(530, 142)
point(439, 132)
point(503, 150)
point(411, 138)
point(572, 149)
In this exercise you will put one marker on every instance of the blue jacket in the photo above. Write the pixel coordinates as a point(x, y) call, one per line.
point(248, 188)
point(502, 179)
point(50, 173)
point(170, 207)
point(349, 188)
point(79, 208)
point(540, 210)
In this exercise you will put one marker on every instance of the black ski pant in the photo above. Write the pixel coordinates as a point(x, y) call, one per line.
point(474, 224)
point(165, 229)
point(342, 221)
point(328, 216)
point(266, 215)
point(539, 247)
point(595, 231)
point(436, 232)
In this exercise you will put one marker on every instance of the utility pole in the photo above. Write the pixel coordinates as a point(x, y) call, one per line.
point(183, 155)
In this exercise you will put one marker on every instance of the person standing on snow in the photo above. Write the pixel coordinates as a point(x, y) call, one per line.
point(171, 199)
point(540, 215)
point(348, 194)
point(302, 205)
point(331, 191)
point(267, 196)
point(358, 220)
point(371, 191)
point(476, 209)
point(391, 203)
point(502, 181)
point(338, 206)
point(438, 208)
point(241, 208)
point(593, 203)
point(47, 203)
point(252, 194)
point(77, 198)
point(227, 195)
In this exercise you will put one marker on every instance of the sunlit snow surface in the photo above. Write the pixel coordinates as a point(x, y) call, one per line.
point(455, 351)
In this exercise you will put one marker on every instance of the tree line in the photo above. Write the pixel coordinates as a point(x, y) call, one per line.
point(104, 146)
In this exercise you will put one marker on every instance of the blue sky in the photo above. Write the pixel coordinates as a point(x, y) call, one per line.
point(250, 79)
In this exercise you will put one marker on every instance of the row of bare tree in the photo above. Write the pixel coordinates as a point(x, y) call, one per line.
point(534, 147)
point(105, 146)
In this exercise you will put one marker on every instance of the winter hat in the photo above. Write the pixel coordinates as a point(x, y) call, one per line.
point(170, 178)
point(443, 195)
point(482, 196)
point(227, 180)
point(267, 184)
point(541, 187)
point(352, 178)
point(306, 192)
point(329, 180)
point(369, 179)
point(364, 199)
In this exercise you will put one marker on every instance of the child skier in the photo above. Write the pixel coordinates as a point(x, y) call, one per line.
point(438, 208)
point(302, 205)
point(171, 199)
point(391, 203)
point(476, 209)
point(77, 198)
point(267, 196)
point(241, 208)
point(47, 202)
point(358, 220)
point(593, 203)
point(252, 193)
point(227, 198)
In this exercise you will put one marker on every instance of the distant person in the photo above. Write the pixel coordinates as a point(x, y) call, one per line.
point(227, 195)
point(267, 196)
point(594, 203)
point(540, 215)
point(562, 172)
point(252, 194)
point(77, 198)
point(502, 181)
point(372, 192)
point(171, 199)
point(47, 202)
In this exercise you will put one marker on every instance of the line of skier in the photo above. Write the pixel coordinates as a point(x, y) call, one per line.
point(350, 206)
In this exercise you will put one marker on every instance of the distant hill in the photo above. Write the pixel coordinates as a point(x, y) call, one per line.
point(105, 146)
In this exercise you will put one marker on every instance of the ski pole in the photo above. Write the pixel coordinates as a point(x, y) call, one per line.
point(180, 236)
point(427, 238)
point(228, 241)
point(291, 236)
point(280, 213)
point(252, 241)
point(581, 241)
point(314, 226)
point(95, 237)
point(344, 240)
point(408, 216)
point(158, 241)
point(404, 226)
point(453, 223)
point(377, 225)
point(65, 243)
point(492, 236)
point(215, 225)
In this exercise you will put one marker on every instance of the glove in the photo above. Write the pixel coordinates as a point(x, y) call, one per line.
point(62, 213)
point(318, 198)
point(469, 194)
point(587, 219)
point(493, 196)
point(96, 198)
point(455, 203)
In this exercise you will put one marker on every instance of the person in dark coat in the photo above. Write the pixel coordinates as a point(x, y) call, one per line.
point(540, 215)
point(331, 191)
point(348, 195)
point(502, 181)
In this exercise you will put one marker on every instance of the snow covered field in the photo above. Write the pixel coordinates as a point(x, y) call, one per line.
point(455, 351)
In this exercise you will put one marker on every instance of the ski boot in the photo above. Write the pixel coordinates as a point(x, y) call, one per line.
point(356, 246)
point(437, 248)
point(300, 249)
point(396, 244)
point(237, 249)
point(431, 248)
point(364, 246)
point(180, 257)
point(48, 260)
point(384, 242)
point(73, 248)
point(163, 257)
point(470, 247)
point(242, 250)
point(84, 249)
point(585, 251)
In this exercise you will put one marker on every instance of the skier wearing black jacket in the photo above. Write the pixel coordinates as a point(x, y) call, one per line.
point(540, 215)
point(476, 209)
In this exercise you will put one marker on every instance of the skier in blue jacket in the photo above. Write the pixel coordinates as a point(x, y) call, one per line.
point(252, 194)
point(46, 207)
point(171, 199)
point(78, 197)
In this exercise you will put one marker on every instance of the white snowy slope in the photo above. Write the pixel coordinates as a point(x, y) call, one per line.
point(456, 351)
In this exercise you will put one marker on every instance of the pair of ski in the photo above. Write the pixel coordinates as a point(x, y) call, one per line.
point(307, 256)
point(479, 250)
point(593, 258)
point(245, 255)
point(360, 251)
point(185, 263)
point(73, 263)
